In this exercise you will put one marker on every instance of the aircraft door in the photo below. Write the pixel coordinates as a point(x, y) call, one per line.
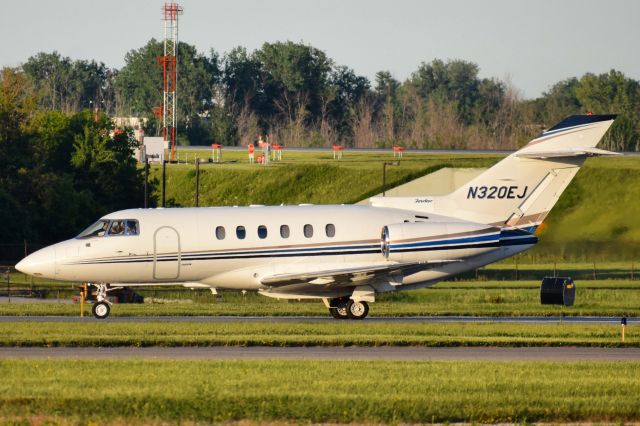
point(166, 254)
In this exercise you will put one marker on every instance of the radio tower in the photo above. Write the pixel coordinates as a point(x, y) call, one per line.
point(170, 73)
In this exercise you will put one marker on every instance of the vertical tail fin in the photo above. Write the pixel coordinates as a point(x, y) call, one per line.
point(521, 189)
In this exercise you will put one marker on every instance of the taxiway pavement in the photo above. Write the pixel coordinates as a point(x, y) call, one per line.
point(295, 319)
point(565, 354)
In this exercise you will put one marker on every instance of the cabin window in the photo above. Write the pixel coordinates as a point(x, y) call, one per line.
point(262, 232)
point(131, 227)
point(284, 231)
point(98, 229)
point(308, 231)
point(117, 227)
point(220, 232)
point(330, 230)
point(241, 232)
point(123, 227)
point(111, 227)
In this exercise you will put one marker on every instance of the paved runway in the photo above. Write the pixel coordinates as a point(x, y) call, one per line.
point(223, 319)
point(335, 353)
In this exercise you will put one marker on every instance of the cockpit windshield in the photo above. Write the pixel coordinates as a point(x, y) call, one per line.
point(111, 228)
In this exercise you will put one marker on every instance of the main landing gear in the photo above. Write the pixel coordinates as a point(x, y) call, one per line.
point(344, 308)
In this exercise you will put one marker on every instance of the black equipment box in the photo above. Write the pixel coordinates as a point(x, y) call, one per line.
point(557, 291)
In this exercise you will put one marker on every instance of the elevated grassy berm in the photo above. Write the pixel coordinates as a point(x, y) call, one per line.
point(595, 219)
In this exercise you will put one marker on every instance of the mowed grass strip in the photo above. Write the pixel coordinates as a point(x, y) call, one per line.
point(609, 284)
point(301, 177)
point(492, 298)
point(50, 334)
point(326, 391)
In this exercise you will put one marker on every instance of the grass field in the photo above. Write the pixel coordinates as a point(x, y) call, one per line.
point(493, 298)
point(360, 392)
point(305, 333)
point(302, 177)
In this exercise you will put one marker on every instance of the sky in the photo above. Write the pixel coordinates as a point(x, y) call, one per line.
point(533, 44)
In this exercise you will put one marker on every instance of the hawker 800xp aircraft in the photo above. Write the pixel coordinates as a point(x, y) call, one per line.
point(342, 254)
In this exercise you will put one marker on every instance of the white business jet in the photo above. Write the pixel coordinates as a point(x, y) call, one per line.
point(342, 254)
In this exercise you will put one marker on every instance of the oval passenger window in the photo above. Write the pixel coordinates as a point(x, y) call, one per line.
point(330, 230)
point(241, 232)
point(220, 232)
point(262, 232)
point(284, 231)
point(308, 231)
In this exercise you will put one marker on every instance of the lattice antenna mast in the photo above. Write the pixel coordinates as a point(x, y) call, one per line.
point(169, 64)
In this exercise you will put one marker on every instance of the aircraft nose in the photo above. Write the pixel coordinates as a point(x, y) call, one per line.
point(40, 263)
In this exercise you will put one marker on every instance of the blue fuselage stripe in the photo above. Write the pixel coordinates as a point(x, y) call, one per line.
point(491, 240)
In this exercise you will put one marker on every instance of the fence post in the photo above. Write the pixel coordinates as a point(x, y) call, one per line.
point(8, 285)
point(146, 182)
point(632, 265)
point(594, 270)
point(164, 180)
point(197, 181)
point(82, 302)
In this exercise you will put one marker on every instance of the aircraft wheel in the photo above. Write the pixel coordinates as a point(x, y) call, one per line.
point(340, 310)
point(101, 310)
point(357, 310)
point(339, 313)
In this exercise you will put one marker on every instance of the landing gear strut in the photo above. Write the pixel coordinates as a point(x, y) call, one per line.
point(344, 308)
point(102, 307)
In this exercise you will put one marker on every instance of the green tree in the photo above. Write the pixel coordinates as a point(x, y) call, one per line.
point(294, 78)
point(69, 86)
point(242, 81)
point(453, 81)
point(350, 90)
point(613, 92)
point(139, 86)
point(103, 162)
point(51, 76)
point(17, 104)
point(559, 102)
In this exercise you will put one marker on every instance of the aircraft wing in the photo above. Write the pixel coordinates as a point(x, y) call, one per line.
point(351, 276)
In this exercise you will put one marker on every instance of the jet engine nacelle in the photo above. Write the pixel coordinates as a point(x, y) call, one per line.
point(420, 241)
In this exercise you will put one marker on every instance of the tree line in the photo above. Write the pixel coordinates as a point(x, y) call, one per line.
point(63, 162)
point(58, 169)
point(300, 97)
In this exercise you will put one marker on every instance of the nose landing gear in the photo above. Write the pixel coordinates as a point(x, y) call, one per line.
point(101, 310)
point(102, 307)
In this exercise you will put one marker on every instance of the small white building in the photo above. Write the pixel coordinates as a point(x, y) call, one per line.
point(152, 149)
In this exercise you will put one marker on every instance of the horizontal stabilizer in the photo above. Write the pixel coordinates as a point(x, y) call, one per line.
point(588, 152)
